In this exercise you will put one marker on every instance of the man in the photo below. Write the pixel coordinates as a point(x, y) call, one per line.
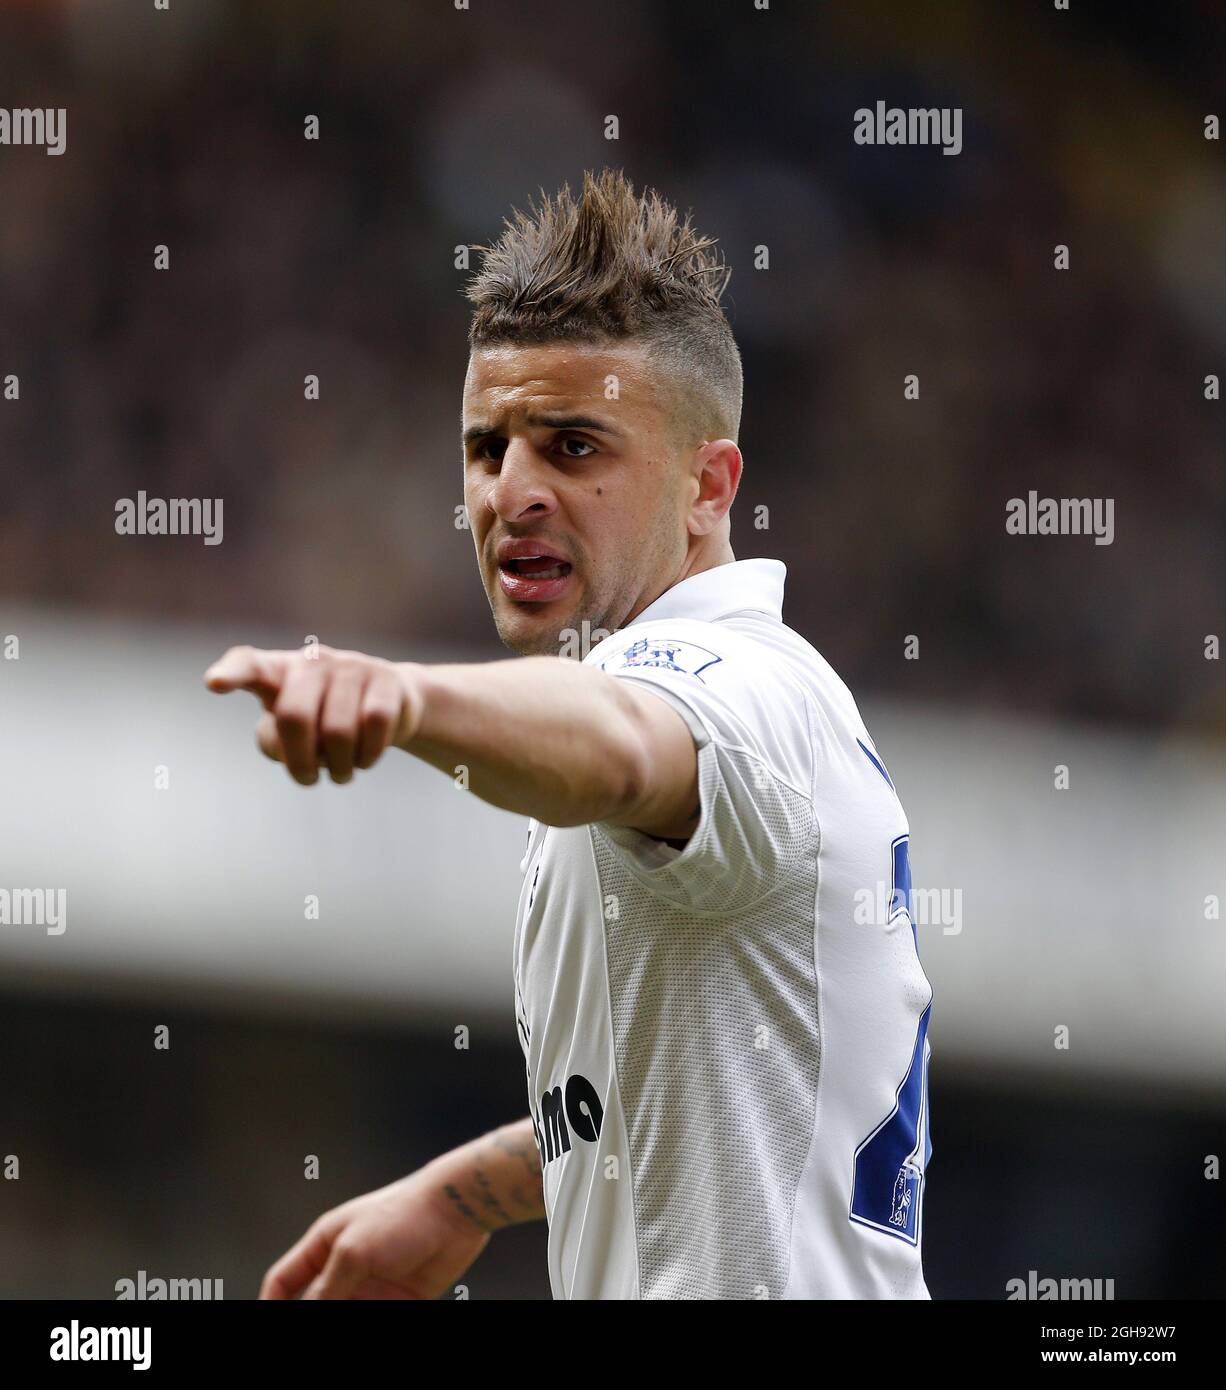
point(726, 1053)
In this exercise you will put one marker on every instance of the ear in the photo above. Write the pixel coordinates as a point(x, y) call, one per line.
point(717, 470)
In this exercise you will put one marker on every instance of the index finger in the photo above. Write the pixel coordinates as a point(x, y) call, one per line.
point(247, 668)
point(297, 1267)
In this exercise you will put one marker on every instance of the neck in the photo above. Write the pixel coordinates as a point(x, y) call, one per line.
point(706, 557)
point(718, 551)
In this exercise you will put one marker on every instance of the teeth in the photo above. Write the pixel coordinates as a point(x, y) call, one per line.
point(538, 567)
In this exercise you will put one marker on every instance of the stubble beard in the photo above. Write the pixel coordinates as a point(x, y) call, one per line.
point(593, 618)
point(574, 634)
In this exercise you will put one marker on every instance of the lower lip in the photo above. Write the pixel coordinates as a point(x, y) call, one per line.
point(525, 590)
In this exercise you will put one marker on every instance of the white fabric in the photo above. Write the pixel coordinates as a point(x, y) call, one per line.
point(713, 1034)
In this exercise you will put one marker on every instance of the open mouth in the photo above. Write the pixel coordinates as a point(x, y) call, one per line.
point(531, 578)
point(537, 567)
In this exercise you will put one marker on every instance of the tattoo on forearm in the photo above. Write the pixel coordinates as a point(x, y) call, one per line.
point(523, 1148)
point(489, 1199)
point(485, 1206)
point(465, 1210)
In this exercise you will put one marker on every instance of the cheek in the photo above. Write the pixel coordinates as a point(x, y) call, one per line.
point(620, 512)
point(479, 515)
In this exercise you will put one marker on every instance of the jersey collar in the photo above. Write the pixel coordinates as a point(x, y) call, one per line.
point(742, 586)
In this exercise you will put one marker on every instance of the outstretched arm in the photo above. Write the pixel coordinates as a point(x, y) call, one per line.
point(539, 735)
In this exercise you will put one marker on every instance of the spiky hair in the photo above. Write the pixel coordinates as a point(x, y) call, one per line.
point(614, 266)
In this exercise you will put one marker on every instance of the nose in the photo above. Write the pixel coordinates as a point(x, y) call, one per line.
point(521, 491)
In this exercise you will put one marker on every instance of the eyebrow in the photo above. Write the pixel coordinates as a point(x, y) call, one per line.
point(553, 422)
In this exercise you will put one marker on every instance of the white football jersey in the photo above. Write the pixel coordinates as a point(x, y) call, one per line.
point(727, 1044)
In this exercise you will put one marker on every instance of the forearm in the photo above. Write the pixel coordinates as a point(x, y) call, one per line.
point(540, 736)
point(494, 1181)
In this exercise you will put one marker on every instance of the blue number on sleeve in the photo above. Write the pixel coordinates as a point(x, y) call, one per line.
point(888, 1177)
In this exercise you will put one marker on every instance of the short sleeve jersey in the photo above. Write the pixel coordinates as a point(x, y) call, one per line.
point(726, 1042)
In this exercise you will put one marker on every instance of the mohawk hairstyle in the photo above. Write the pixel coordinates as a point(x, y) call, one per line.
point(614, 266)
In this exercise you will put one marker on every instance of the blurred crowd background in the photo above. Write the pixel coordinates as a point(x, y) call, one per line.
point(338, 257)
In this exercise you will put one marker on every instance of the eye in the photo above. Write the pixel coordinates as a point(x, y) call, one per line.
point(580, 443)
point(492, 449)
